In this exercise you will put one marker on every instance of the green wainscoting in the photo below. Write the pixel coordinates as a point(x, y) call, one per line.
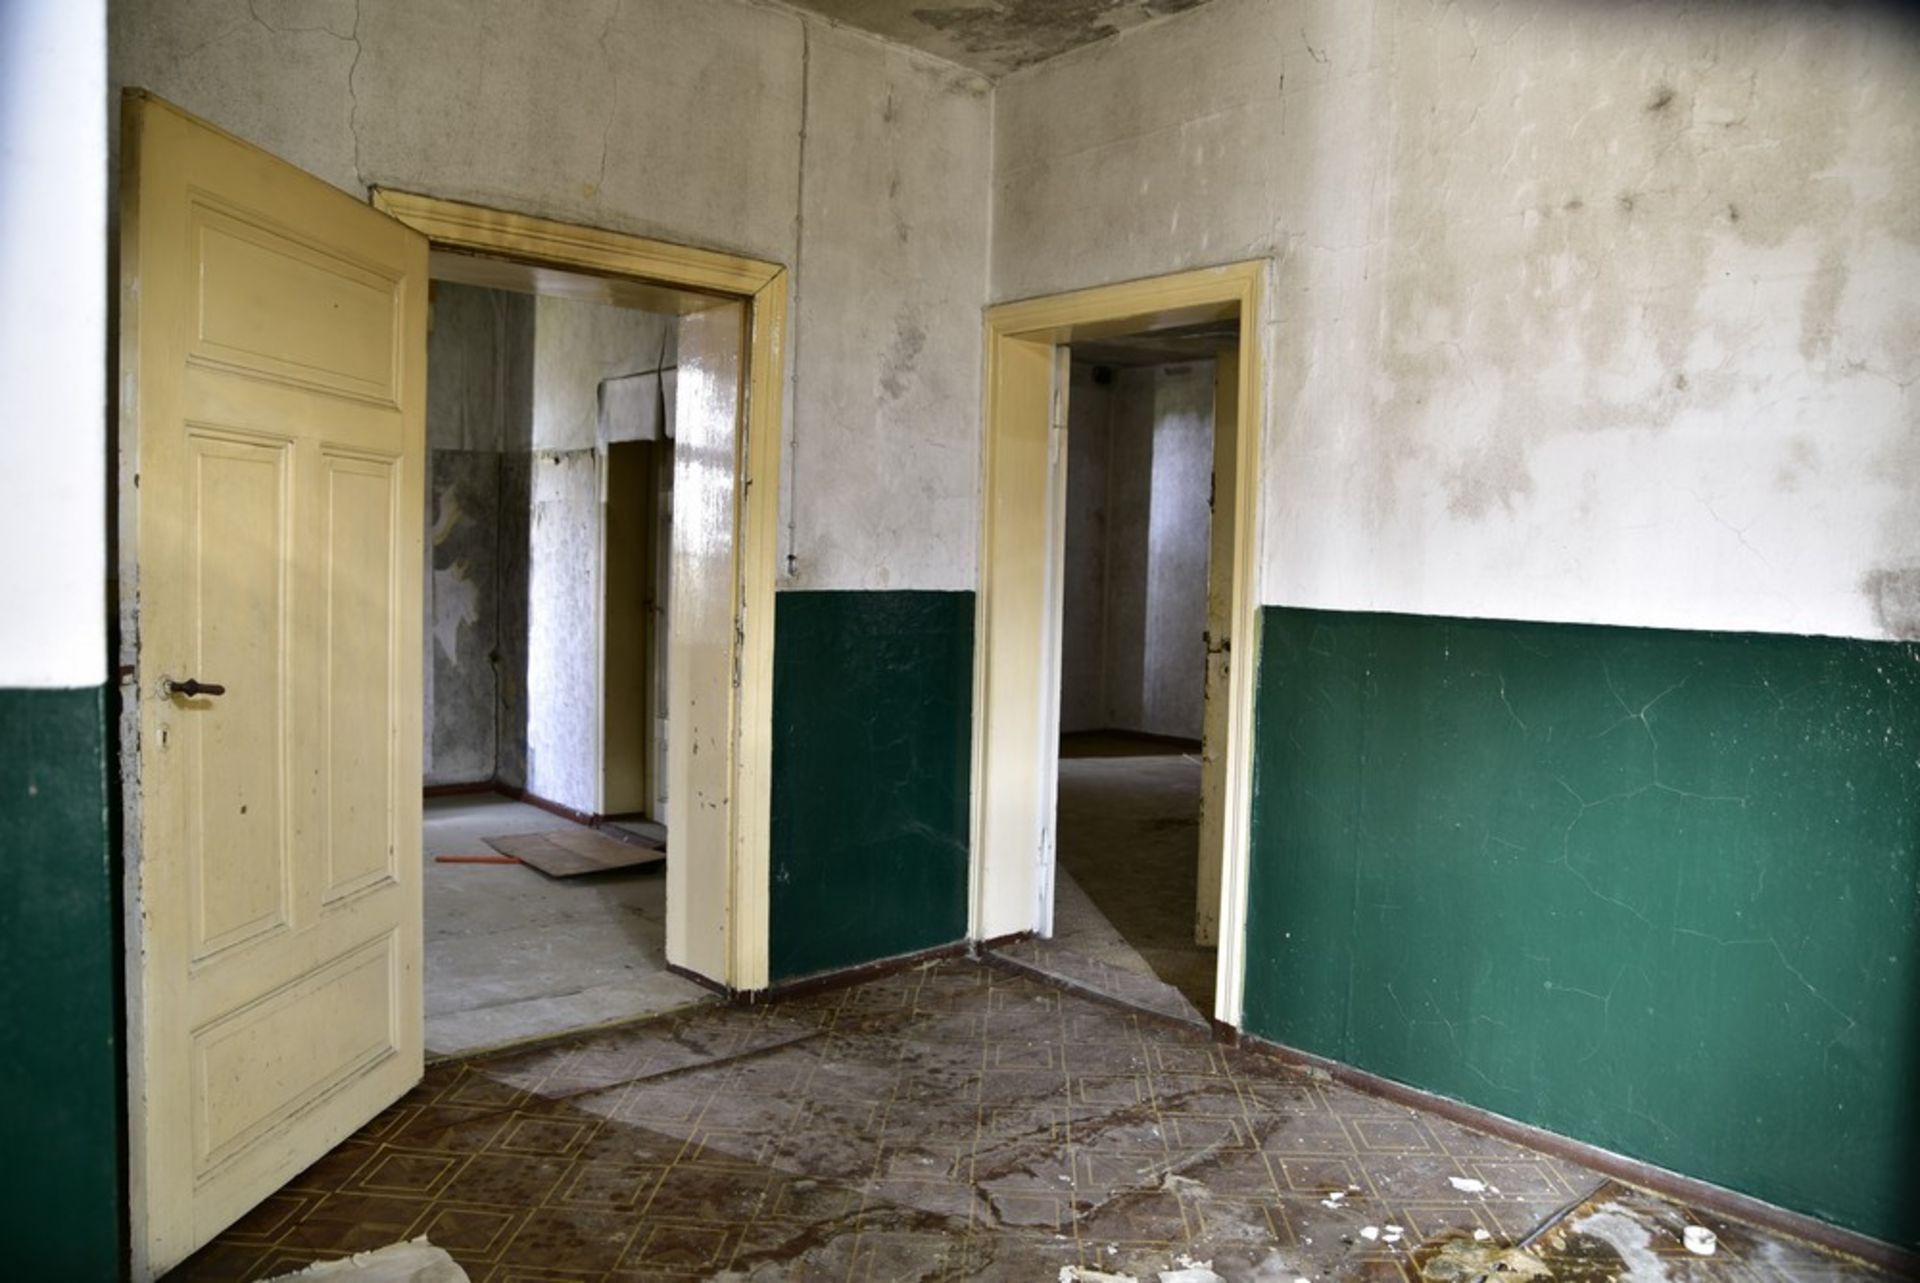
point(1659, 891)
point(872, 753)
point(60, 1067)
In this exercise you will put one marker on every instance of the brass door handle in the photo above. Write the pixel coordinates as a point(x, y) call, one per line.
point(194, 686)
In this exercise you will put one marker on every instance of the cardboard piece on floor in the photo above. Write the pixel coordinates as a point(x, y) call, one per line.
point(567, 853)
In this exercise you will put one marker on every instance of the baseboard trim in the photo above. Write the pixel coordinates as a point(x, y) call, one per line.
point(459, 790)
point(822, 981)
point(1631, 1171)
point(518, 794)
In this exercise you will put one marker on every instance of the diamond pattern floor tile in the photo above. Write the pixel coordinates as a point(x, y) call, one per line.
point(954, 1121)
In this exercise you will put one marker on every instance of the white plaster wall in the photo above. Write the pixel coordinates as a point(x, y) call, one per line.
point(1139, 481)
point(576, 345)
point(563, 629)
point(731, 124)
point(1173, 697)
point(53, 317)
point(884, 461)
point(1083, 702)
point(1582, 312)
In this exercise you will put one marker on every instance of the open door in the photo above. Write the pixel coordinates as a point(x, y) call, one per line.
point(1017, 678)
point(273, 414)
point(1220, 581)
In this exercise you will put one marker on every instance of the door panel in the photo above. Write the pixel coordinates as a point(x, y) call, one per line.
point(1014, 807)
point(1213, 722)
point(361, 673)
point(237, 824)
point(702, 672)
point(273, 365)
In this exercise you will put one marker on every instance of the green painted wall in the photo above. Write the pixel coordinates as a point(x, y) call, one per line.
point(60, 1070)
point(1659, 891)
point(872, 753)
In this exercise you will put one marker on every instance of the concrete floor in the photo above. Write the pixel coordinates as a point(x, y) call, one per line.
point(513, 955)
point(1125, 879)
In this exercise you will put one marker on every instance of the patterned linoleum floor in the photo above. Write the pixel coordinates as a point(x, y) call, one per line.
point(957, 1120)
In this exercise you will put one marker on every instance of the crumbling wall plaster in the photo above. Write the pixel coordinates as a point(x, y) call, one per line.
point(1576, 312)
point(479, 400)
point(729, 124)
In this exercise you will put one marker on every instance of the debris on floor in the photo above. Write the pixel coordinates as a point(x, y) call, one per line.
point(961, 1121)
point(570, 852)
point(416, 1262)
point(1462, 1258)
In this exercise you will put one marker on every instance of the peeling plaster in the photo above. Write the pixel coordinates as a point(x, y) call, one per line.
point(1586, 313)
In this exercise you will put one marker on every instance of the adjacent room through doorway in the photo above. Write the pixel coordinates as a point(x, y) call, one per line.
point(549, 528)
point(1133, 661)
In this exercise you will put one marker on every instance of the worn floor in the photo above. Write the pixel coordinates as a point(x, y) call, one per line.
point(513, 955)
point(957, 1120)
point(1127, 872)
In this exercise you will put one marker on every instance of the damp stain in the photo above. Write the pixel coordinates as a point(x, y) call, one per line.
point(1011, 34)
point(1894, 595)
point(902, 357)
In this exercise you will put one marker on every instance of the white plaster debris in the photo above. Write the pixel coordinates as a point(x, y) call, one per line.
point(1393, 1234)
point(1370, 1233)
point(1081, 1274)
point(1617, 1227)
point(1467, 1185)
point(1481, 1236)
point(1187, 1270)
point(417, 1261)
point(1700, 1240)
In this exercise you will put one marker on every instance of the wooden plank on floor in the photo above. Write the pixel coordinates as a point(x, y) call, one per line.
point(567, 853)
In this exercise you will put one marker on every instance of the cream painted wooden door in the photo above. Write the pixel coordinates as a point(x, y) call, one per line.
point(1220, 578)
point(273, 387)
point(703, 674)
point(1018, 674)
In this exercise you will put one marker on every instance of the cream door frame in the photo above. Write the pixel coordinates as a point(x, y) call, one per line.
point(629, 266)
point(1016, 669)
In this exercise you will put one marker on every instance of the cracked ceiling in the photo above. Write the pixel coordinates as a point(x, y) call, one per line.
point(994, 37)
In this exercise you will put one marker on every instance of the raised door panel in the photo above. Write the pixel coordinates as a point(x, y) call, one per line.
point(360, 672)
point(238, 848)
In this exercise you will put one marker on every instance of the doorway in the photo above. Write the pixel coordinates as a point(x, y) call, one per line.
point(548, 511)
point(1133, 657)
point(1112, 731)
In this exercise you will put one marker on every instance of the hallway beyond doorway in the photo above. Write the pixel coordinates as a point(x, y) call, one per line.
point(514, 955)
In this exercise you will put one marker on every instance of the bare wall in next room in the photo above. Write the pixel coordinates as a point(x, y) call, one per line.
point(1139, 481)
point(479, 419)
point(577, 345)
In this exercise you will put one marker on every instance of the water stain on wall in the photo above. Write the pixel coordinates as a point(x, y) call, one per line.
point(1895, 594)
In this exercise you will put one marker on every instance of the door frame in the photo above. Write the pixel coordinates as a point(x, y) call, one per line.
point(1016, 670)
point(762, 287)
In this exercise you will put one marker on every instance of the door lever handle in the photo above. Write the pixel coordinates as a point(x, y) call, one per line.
point(194, 686)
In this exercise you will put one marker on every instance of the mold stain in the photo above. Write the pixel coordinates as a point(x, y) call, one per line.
point(1018, 33)
point(1661, 100)
point(903, 357)
point(1894, 594)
